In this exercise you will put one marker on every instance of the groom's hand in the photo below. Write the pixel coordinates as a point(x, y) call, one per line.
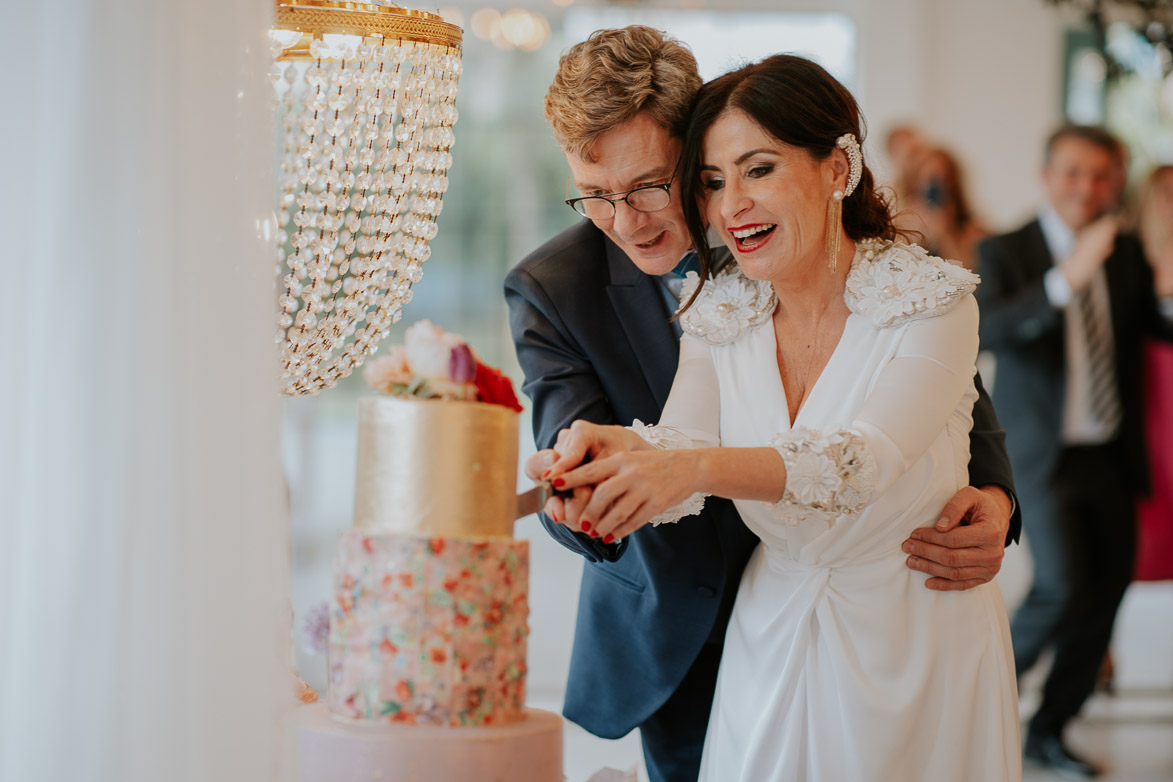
point(539, 463)
point(966, 547)
point(537, 467)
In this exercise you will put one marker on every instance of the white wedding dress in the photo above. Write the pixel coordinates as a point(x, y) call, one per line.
point(839, 664)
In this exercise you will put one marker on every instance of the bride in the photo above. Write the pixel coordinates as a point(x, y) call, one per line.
point(826, 385)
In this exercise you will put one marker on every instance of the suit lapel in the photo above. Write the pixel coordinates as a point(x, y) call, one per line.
point(1037, 254)
point(639, 306)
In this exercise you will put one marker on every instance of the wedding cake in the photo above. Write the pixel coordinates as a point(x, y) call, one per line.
point(428, 625)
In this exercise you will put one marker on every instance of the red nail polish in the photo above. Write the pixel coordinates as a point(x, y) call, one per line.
point(557, 483)
point(546, 473)
point(554, 516)
point(586, 526)
point(594, 533)
point(608, 538)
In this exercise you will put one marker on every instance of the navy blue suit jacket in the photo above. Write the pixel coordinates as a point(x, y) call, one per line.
point(593, 337)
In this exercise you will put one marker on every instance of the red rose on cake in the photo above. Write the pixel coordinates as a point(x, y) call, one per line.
point(434, 364)
point(495, 388)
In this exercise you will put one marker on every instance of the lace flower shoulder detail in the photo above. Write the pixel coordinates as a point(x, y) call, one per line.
point(827, 475)
point(663, 438)
point(891, 283)
point(728, 306)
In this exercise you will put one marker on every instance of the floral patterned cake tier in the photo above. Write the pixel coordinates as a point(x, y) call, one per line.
point(429, 630)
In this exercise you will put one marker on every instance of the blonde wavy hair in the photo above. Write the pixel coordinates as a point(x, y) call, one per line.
point(614, 75)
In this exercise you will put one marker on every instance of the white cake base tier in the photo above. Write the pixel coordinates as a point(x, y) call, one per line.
point(333, 750)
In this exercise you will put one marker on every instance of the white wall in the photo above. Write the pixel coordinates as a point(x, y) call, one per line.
point(983, 78)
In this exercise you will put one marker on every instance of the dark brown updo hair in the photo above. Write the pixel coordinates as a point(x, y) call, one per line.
point(797, 102)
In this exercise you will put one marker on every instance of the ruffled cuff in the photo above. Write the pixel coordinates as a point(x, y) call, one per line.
point(827, 475)
point(666, 438)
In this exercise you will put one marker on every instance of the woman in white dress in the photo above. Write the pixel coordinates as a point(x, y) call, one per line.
point(826, 385)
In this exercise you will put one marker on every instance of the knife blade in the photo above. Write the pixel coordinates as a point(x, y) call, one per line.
point(534, 500)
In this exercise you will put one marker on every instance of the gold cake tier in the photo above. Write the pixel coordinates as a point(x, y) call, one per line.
point(431, 467)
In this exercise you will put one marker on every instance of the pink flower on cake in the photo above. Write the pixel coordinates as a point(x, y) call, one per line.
point(384, 373)
point(462, 366)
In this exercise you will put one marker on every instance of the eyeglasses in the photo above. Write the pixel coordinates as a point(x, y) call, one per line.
point(649, 198)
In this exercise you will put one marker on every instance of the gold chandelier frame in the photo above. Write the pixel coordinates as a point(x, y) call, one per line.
point(314, 18)
point(367, 125)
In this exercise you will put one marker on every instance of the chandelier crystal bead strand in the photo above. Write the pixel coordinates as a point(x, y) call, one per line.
point(366, 103)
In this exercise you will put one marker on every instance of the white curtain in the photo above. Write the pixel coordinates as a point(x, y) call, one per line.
point(143, 613)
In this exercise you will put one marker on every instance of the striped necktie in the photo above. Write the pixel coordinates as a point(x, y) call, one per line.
point(1102, 392)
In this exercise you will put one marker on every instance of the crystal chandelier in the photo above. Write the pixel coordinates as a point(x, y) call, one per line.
point(366, 103)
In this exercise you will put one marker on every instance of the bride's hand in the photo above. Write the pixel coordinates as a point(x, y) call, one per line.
point(580, 443)
point(630, 488)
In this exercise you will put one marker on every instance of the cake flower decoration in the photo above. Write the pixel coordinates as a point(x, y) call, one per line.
point(434, 364)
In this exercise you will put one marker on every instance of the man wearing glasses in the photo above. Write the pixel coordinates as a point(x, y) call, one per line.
point(590, 315)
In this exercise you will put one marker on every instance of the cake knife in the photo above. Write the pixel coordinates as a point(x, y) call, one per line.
point(534, 500)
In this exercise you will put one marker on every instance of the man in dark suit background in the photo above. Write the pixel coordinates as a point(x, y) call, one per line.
point(590, 315)
point(1064, 302)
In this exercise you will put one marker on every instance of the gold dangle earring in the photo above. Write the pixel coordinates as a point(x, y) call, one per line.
point(834, 229)
point(850, 146)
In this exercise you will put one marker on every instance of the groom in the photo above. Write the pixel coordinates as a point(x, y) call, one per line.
point(589, 312)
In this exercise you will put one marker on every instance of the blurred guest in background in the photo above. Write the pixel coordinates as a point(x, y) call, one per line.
point(1065, 302)
point(902, 144)
point(1154, 561)
point(936, 205)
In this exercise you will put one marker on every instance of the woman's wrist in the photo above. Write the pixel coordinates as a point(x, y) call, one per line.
point(635, 442)
point(700, 469)
point(736, 473)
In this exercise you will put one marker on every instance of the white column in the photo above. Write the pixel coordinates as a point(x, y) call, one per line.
point(143, 609)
